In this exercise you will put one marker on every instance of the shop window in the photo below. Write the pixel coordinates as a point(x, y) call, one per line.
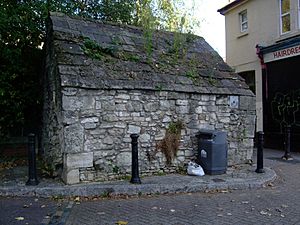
point(243, 21)
point(285, 17)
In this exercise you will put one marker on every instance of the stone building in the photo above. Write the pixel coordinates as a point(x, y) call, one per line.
point(106, 81)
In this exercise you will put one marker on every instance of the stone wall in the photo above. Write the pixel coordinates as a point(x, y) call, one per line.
point(52, 135)
point(97, 125)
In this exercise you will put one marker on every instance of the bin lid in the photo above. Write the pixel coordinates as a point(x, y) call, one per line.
point(219, 137)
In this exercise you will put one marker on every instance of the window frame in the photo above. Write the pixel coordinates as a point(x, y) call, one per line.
point(244, 12)
point(281, 15)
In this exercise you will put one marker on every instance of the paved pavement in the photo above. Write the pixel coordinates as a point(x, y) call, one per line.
point(277, 203)
point(238, 177)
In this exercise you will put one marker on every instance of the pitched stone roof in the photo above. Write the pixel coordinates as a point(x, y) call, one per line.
point(98, 55)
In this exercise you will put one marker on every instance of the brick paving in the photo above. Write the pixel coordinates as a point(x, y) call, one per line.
point(279, 203)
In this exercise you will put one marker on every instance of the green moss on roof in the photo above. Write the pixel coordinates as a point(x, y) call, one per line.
point(93, 54)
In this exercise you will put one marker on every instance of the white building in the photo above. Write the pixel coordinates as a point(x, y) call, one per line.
point(263, 45)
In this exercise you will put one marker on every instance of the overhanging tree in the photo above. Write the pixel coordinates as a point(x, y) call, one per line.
point(22, 32)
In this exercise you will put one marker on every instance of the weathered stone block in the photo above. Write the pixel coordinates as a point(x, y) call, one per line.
point(164, 105)
point(70, 117)
point(101, 154)
point(77, 103)
point(137, 106)
point(250, 119)
point(151, 107)
point(98, 105)
point(138, 119)
point(167, 119)
point(74, 137)
point(211, 108)
point(120, 107)
point(247, 102)
point(124, 158)
point(70, 176)
point(120, 125)
point(89, 126)
point(182, 102)
point(184, 109)
point(222, 100)
point(198, 110)
point(212, 98)
point(97, 131)
point(205, 98)
point(123, 96)
point(144, 138)
point(122, 114)
point(108, 140)
point(110, 118)
point(90, 120)
point(129, 107)
point(93, 144)
point(108, 106)
point(79, 160)
point(132, 129)
point(136, 114)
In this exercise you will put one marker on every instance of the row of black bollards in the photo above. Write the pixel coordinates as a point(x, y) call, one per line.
point(135, 179)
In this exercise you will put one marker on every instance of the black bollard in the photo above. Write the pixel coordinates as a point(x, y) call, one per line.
point(287, 143)
point(32, 177)
point(135, 179)
point(260, 154)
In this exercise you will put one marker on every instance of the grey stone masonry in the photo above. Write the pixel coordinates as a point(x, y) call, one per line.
point(101, 86)
point(97, 140)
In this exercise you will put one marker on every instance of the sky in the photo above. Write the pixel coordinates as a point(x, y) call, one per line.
point(212, 23)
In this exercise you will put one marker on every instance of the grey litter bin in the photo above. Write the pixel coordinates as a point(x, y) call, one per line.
point(212, 151)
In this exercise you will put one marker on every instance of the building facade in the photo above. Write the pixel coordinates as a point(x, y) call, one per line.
point(101, 87)
point(262, 45)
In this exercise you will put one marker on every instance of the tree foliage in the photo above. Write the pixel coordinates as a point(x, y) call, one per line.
point(22, 31)
point(20, 59)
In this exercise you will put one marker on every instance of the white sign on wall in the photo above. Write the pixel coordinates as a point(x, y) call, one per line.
point(234, 102)
point(282, 54)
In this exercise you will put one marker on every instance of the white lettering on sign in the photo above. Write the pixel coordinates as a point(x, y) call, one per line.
point(282, 54)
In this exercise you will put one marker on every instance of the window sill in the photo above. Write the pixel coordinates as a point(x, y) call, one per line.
point(285, 36)
point(243, 34)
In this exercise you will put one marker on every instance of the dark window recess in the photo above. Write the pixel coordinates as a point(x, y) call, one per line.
point(249, 77)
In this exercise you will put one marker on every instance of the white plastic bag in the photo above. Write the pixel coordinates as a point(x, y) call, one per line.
point(195, 169)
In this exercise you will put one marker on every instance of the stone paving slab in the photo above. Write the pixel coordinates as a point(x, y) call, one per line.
point(242, 177)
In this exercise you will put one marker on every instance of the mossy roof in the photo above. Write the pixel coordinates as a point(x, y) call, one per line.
point(97, 55)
